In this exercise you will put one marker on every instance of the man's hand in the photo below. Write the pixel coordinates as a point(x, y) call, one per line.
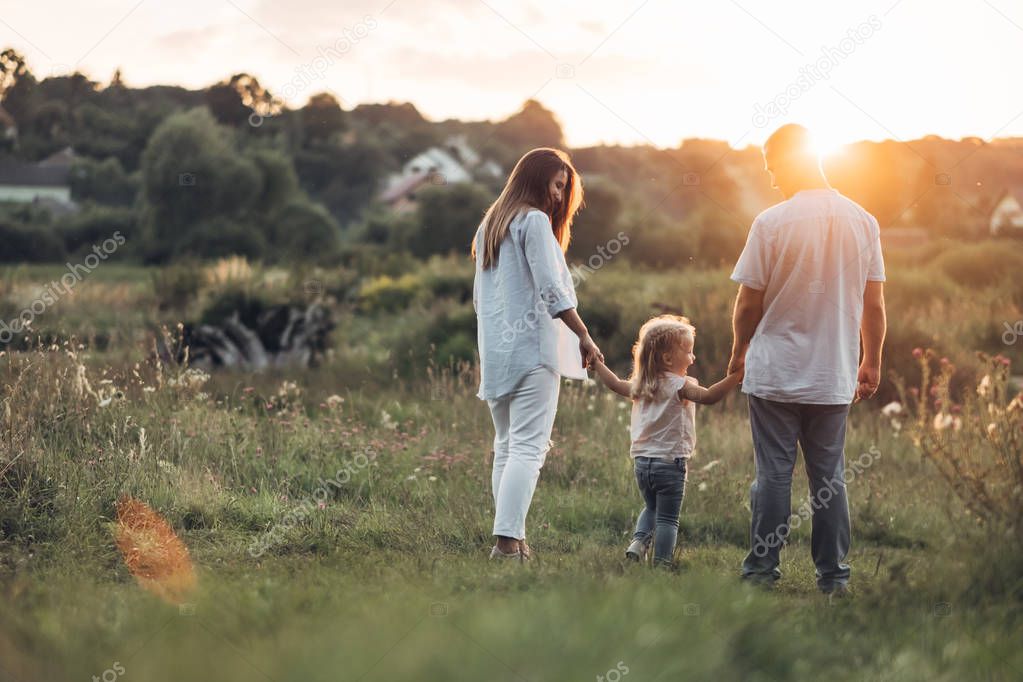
point(588, 349)
point(867, 381)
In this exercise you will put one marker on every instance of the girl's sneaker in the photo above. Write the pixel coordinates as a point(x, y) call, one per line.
point(637, 550)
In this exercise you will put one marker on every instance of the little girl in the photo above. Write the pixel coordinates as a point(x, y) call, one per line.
point(663, 426)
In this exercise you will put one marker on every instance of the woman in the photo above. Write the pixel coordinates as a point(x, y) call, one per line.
point(526, 313)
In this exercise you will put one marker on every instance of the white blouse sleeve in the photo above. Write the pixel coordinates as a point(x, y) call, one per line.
point(547, 264)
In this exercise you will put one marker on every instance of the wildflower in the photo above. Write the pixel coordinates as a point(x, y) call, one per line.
point(148, 389)
point(334, 401)
point(891, 409)
point(432, 478)
point(896, 425)
point(710, 465)
point(942, 421)
point(991, 428)
point(702, 486)
point(984, 387)
point(918, 353)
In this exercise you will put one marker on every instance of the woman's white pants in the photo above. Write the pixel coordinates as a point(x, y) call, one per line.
point(523, 420)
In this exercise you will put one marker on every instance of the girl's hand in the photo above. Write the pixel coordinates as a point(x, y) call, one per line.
point(589, 350)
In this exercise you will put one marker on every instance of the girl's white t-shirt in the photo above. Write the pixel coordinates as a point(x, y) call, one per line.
point(664, 428)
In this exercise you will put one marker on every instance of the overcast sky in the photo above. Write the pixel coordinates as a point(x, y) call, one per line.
point(626, 71)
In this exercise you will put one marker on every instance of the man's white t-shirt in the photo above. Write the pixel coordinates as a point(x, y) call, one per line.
point(812, 256)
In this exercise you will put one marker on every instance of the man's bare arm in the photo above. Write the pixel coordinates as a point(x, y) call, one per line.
point(749, 309)
point(873, 328)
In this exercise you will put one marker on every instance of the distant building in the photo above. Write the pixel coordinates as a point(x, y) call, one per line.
point(439, 161)
point(47, 182)
point(400, 195)
point(1006, 217)
point(453, 163)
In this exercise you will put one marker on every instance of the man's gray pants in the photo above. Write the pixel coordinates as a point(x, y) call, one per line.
point(820, 430)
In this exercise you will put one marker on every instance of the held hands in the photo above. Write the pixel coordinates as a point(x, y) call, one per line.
point(737, 363)
point(589, 351)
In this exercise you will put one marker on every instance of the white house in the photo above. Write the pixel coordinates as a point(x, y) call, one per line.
point(48, 181)
point(454, 163)
point(437, 161)
point(1007, 214)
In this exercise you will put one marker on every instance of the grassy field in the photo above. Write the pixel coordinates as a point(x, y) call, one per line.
point(384, 576)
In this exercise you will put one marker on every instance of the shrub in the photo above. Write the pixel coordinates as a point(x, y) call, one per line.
point(177, 285)
point(302, 231)
point(95, 224)
point(983, 264)
point(388, 294)
point(29, 244)
point(977, 446)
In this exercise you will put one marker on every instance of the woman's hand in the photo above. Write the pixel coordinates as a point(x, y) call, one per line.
point(588, 349)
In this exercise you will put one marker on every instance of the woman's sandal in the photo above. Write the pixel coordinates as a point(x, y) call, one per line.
point(496, 553)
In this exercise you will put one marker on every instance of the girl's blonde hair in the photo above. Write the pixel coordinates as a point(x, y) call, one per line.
point(528, 187)
point(657, 336)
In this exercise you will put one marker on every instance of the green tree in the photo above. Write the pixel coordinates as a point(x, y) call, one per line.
point(446, 219)
point(302, 231)
point(532, 126)
point(191, 174)
point(322, 117)
point(104, 182)
point(597, 223)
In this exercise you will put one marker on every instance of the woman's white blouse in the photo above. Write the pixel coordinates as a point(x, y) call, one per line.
point(516, 300)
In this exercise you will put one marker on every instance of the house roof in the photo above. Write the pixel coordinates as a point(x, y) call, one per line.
point(403, 186)
point(15, 173)
point(64, 158)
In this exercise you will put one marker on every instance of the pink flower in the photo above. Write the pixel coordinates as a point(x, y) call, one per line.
point(918, 353)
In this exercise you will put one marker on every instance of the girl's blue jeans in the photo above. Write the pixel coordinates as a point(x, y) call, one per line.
point(662, 484)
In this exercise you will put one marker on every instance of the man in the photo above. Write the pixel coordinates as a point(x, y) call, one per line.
point(811, 288)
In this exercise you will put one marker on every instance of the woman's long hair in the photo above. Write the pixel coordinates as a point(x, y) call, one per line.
point(657, 336)
point(529, 187)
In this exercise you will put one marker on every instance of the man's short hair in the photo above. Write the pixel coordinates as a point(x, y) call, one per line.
point(792, 141)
